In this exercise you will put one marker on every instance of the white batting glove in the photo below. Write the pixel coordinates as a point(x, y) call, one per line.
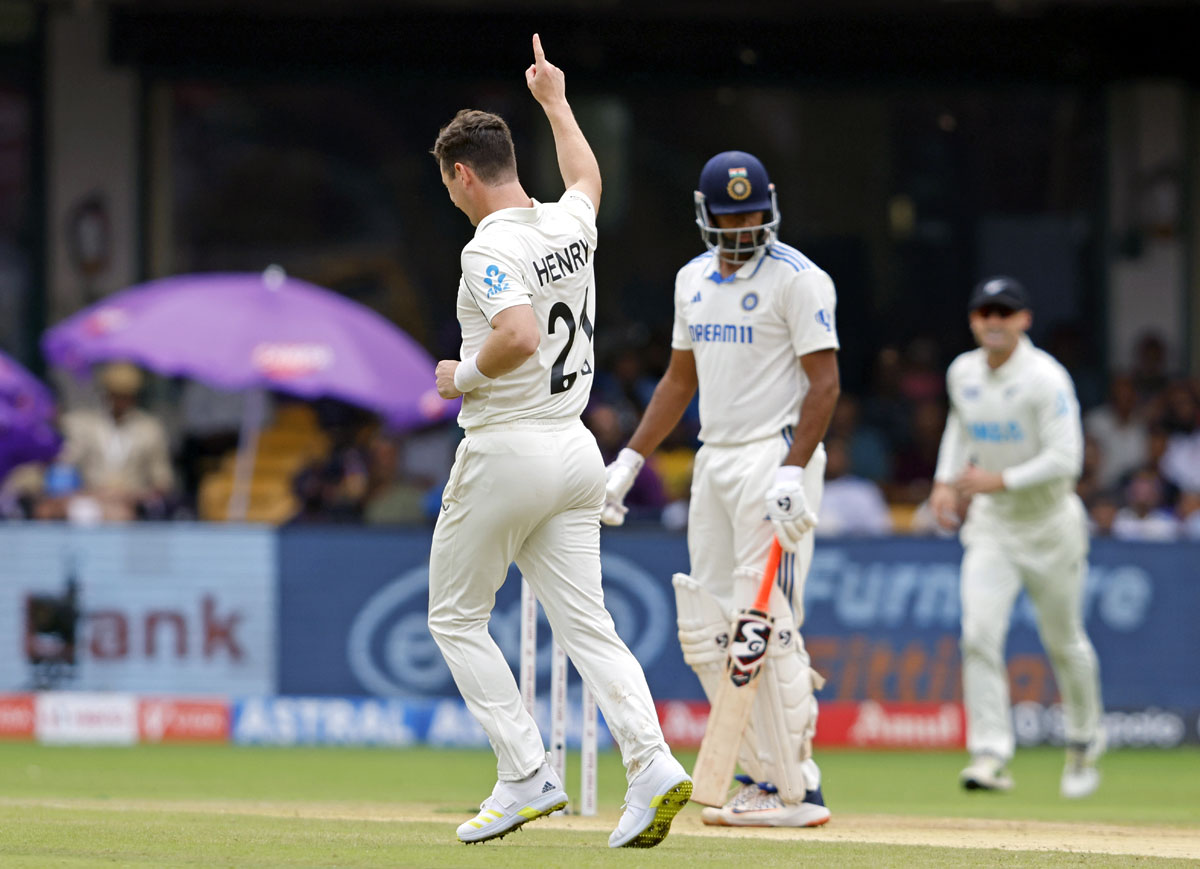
point(787, 507)
point(618, 477)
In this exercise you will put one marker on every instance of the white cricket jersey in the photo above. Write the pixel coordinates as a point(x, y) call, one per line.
point(747, 333)
point(540, 256)
point(1021, 419)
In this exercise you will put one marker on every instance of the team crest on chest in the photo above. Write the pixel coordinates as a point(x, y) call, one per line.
point(749, 301)
point(739, 186)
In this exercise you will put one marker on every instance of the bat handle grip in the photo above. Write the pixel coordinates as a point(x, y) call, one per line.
point(762, 602)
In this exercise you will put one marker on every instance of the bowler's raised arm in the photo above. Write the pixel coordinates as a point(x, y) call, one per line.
point(576, 162)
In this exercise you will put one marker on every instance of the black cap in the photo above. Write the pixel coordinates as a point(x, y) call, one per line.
point(1001, 291)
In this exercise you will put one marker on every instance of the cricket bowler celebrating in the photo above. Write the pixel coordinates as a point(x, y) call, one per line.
point(528, 479)
point(1013, 447)
point(754, 331)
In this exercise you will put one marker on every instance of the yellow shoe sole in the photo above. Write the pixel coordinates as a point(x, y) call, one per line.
point(666, 807)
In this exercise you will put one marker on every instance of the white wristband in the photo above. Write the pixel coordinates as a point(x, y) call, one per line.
point(467, 375)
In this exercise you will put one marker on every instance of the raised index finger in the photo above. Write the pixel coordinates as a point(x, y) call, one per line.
point(539, 56)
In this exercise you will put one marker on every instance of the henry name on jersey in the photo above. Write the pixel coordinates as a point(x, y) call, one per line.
point(557, 264)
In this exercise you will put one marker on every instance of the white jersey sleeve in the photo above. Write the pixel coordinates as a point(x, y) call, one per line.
point(579, 205)
point(685, 278)
point(494, 279)
point(808, 307)
point(1060, 432)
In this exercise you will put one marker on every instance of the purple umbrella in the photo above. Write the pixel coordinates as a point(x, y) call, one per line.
point(249, 331)
point(269, 331)
point(27, 432)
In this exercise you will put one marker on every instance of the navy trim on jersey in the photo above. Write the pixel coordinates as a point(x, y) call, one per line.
point(789, 434)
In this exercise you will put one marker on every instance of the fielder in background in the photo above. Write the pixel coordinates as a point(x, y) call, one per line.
point(528, 481)
point(754, 331)
point(1013, 449)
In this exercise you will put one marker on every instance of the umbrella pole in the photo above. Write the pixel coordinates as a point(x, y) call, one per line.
point(243, 468)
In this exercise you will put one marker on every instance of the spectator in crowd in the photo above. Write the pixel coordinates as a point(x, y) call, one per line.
point(921, 376)
point(851, 505)
point(1068, 343)
point(1145, 516)
point(1178, 409)
point(1102, 513)
point(1180, 462)
point(916, 461)
point(868, 448)
point(335, 487)
point(1089, 479)
point(885, 407)
point(209, 422)
point(120, 453)
point(1189, 515)
point(1158, 438)
point(646, 497)
point(1119, 428)
point(393, 496)
point(1149, 366)
point(332, 490)
point(625, 386)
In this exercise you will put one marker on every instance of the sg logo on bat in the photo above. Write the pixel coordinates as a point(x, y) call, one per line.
point(750, 637)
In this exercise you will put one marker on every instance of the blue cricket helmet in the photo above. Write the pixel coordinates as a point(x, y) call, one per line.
point(734, 182)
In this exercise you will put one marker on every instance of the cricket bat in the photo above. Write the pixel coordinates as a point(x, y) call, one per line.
point(731, 707)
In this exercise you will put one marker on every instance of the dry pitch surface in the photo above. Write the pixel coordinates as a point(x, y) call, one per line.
point(1009, 835)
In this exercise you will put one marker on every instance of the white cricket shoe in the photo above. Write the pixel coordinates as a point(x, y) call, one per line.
point(654, 798)
point(758, 804)
point(746, 793)
point(513, 803)
point(986, 772)
point(1080, 777)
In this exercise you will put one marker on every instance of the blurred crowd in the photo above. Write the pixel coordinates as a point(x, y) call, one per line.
point(146, 448)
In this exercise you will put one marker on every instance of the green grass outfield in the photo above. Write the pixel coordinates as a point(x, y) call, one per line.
point(162, 806)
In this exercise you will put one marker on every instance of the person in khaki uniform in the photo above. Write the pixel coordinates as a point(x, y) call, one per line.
point(120, 451)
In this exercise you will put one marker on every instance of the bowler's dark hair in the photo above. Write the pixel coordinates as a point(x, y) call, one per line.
point(480, 140)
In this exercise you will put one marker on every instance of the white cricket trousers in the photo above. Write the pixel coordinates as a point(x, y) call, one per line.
point(727, 518)
point(531, 492)
point(1048, 558)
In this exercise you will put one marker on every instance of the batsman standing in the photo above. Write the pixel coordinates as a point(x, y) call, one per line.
point(1013, 448)
point(754, 332)
point(528, 481)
